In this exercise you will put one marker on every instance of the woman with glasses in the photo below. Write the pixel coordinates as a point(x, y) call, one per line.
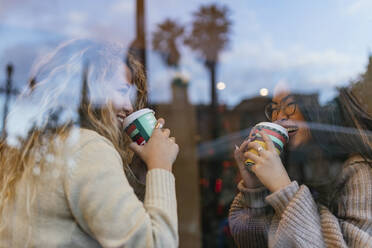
point(283, 110)
point(271, 210)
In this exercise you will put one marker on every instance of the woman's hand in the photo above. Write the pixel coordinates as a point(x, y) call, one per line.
point(250, 180)
point(268, 167)
point(160, 151)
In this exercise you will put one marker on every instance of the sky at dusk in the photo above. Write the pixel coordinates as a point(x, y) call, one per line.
point(313, 46)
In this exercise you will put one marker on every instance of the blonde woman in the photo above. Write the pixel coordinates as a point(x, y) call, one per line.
point(65, 173)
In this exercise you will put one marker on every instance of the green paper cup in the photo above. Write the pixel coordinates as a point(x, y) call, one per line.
point(276, 133)
point(139, 125)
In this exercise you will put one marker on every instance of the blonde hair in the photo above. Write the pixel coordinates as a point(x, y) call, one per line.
point(59, 78)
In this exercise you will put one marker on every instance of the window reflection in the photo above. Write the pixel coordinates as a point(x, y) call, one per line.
point(212, 71)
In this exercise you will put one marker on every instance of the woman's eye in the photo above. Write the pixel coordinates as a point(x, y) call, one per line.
point(124, 90)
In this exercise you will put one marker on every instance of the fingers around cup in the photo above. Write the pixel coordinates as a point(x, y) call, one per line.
point(135, 147)
point(244, 146)
point(166, 132)
point(257, 146)
point(260, 149)
point(238, 155)
point(160, 123)
point(250, 155)
point(268, 141)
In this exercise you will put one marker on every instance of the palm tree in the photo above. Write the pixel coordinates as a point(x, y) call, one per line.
point(165, 41)
point(209, 36)
point(137, 48)
point(8, 91)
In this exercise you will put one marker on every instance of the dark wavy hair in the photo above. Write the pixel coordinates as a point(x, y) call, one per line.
point(339, 129)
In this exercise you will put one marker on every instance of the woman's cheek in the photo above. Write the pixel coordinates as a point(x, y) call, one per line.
point(118, 100)
point(300, 138)
point(122, 101)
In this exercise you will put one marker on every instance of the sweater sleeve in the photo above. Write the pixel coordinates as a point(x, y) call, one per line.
point(249, 217)
point(106, 207)
point(299, 222)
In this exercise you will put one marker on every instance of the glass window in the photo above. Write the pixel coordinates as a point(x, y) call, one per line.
point(213, 70)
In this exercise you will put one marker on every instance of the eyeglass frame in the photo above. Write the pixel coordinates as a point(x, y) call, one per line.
point(285, 107)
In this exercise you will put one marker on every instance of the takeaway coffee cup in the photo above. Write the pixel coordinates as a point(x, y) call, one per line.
point(139, 125)
point(276, 133)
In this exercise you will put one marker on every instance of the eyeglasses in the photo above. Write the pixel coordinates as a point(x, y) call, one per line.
point(272, 110)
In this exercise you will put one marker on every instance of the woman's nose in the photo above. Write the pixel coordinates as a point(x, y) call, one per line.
point(281, 116)
point(128, 108)
point(123, 104)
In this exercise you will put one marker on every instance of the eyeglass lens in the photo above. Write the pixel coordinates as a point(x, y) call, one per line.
point(272, 110)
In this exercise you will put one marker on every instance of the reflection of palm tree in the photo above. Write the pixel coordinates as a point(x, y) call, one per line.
point(208, 37)
point(8, 91)
point(84, 102)
point(164, 41)
point(137, 48)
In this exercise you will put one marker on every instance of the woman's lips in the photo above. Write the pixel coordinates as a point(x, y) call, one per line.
point(121, 117)
point(292, 130)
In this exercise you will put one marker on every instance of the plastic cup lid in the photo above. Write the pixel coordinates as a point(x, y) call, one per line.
point(135, 115)
point(274, 126)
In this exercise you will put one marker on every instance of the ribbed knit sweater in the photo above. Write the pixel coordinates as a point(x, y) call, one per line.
point(291, 218)
point(83, 199)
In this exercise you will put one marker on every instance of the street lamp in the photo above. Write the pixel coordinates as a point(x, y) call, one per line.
point(221, 85)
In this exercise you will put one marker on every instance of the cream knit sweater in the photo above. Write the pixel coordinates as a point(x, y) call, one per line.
point(84, 200)
point(291, 218)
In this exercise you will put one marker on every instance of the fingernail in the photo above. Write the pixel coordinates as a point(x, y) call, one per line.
point(236, 147)
point(159, 125)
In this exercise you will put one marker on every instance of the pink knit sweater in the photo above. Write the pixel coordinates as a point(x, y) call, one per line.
point(291, 218)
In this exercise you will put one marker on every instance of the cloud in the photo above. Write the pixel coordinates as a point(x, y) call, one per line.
point(251, 65)
point(254, 58)
point(122, 7)
point(359, 6)
point(262, 54)
point(77, 17)
point(73, 19)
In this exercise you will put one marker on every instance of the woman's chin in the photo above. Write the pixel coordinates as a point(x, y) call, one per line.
point(119, 124)
point(293, 143)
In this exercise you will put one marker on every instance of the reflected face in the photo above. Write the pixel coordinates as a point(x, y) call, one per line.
point(286, 113)
point(121, 94)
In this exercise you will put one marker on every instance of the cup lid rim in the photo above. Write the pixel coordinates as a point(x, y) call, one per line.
point(135, 115)
point(274, 125)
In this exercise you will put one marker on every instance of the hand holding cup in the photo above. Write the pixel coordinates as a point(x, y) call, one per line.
point(249, 178)
point(260, 153)
point(150, 142)
point(267, 165)
point(277, 134)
